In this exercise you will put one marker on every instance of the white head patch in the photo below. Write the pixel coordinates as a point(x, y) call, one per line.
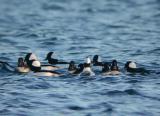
point(33, 57)
point(36, 64)
point(132, 65)
point(99, 59)
point(88, 60)
point(53, 55)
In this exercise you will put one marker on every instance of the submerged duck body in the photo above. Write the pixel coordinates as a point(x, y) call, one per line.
point(54, 61)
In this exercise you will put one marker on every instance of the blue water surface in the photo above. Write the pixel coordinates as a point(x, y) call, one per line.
point(114, 29)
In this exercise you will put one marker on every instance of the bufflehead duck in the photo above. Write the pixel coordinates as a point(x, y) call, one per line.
point(36, 68)
point(97, 61)
point(87, 71)
point(72, 67)
point(22, 66)
point(114, 68)
point(32, 56)
point(131, 66)
point(54, 61)
point(79, 69)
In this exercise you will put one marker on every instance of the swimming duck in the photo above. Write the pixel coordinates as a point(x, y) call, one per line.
point(74, 70)
point(36, 68)
point(72, 67)
point(97, 61)
point(131, 66)
point(87, 71)
point(22, 66)
point(32, 56)
point(54, 61)
point(114, 68)
point(79, 69)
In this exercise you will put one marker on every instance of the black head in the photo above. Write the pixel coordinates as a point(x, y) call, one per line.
point(72, 66)
point(27, 57)
point(114, 66)
point(20, 62)
point(95, 58)
point(130, 65)
point(30, 56)
point(106, 67)
point(81, 66)
point(127, 64)
point(49, 55)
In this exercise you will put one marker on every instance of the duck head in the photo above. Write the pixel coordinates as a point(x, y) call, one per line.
point(130, 65)
point(72, 66)
point(114, 66)
point(21, 62)
point(96, 59)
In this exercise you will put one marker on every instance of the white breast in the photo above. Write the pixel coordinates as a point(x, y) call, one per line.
point(87, 71)
point(22, 69)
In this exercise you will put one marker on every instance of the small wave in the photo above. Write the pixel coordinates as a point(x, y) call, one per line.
point(39, 85)
point(133, 81)
point(5, 111)
point(54, 7)
point(131, 92)
point(8, 41)
point(74, 107)
point(125, 92)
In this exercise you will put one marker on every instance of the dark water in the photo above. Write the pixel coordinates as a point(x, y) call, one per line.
point(122, 30)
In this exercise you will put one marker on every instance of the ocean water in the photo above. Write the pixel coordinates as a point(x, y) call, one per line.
point(114, 29)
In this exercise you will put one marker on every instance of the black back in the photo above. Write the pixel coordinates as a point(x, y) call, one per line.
point(106, 67)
